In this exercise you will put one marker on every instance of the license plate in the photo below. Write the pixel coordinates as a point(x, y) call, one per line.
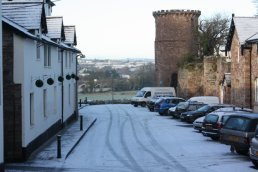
point(208, 127)
point(256, 153)
point(233, 138)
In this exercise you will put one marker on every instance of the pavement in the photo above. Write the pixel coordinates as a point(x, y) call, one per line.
point(70, 138)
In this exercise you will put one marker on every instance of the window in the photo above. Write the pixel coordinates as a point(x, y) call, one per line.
point(31, 109)
point(256, 90)
point(69, 94)
point(70, 59)
point(45, 102)
point(55, 100)
point(38, 50)
point(47, 56)
point(59, 55)
point(65, 59)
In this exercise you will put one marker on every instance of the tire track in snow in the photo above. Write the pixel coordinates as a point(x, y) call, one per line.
point(109, 145)
point(126, 149)
point(154, 155)
point(157, 146)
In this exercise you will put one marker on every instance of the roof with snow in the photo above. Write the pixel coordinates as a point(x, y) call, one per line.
point(246, 28)
point(70, 35)
point(30, 15)
point(15, 1)
point(55, 27)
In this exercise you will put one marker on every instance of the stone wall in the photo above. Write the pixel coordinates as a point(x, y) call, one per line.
point(204, 79)
point(190, 81)
point(176, 33)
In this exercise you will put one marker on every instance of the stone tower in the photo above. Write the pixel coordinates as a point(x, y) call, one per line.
point(176, 37)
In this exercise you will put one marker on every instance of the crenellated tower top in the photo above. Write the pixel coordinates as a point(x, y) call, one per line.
point(196, 13)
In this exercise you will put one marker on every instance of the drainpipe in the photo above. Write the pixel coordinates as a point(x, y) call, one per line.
point(76, 89)
point(62, 89)
point(251, 97)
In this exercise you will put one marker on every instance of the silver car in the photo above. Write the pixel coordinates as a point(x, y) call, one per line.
point(253, 153)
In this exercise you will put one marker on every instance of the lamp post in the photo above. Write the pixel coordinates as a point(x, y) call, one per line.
point(76, 84)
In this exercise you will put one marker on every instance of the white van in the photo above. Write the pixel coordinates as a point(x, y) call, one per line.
point(205, 99)
point(147, 93)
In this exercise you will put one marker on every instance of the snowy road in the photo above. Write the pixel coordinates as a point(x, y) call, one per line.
point(126, 138)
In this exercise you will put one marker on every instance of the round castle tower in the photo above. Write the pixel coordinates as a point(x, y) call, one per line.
point(176, 36)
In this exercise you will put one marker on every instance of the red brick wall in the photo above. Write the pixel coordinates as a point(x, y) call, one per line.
point(175, 37)
point(254, 67)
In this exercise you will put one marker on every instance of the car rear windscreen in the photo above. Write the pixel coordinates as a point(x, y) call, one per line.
point(238, 123)
point(212, 118)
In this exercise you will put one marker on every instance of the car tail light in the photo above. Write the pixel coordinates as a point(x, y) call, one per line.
point(219, 126)
point(246, 140)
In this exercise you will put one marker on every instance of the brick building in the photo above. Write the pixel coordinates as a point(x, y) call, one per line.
point(242, 49)
point(176, 33)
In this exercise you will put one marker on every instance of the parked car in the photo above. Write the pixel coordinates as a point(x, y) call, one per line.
point(205, 99)
point(214, 121)
point(164, 103)
point(238, 131)
point(202, 111)
point(197, 124)
point(185, 107)
point(151, 103)
point(253, 153)
point(147, 93)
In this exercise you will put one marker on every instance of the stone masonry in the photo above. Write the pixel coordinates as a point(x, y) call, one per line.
point(176, 35)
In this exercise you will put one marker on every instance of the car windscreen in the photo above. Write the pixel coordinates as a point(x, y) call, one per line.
point(224, 118)
point(160, 100)
point(238, 123)
point(203, 108)
point(182, 105)
point(140, 93)
point(211, 118)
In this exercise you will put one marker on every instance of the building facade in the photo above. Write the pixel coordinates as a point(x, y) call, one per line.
point(1, 100)
point(176, 37)
point(242, 49)
point(39, 77)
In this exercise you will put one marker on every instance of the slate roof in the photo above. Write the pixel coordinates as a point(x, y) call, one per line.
point(15, 1)
point(30, 15)
point(55, 27)
point(246, 27)
point(70, 35)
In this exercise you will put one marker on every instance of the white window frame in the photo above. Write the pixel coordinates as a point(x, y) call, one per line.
point(256, 89)
point(32, 109)
point(47, 55)
point(45, 102)
point(38, 46)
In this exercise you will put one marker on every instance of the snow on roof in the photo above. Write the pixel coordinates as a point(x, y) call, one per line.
point(15, 1)
point(55, 27)
point(27, 14)
point(245, 27)
point(70, 35)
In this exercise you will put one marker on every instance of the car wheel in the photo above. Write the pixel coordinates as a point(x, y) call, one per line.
point(161, 113)
point(151, 109)
point(143, 104)
point(215, 138)
point(255, 163)
point(241, 151)
point(166, 112)
point(135, 105)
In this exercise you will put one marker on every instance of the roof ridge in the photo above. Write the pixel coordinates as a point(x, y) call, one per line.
point(54, 16)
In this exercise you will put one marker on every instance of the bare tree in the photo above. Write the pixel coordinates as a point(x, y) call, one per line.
point(255, 2)
point(213, 33)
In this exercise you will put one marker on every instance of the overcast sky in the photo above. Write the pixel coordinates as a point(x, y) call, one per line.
point(126, 28)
